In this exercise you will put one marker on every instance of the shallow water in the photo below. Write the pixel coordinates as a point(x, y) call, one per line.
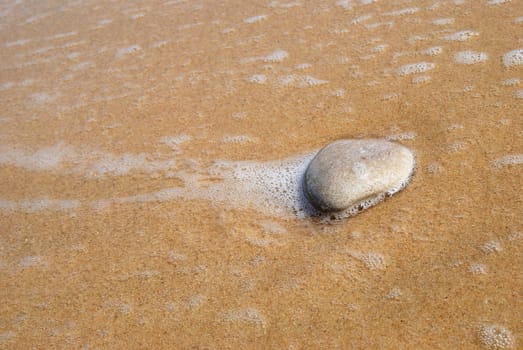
point(149, 154)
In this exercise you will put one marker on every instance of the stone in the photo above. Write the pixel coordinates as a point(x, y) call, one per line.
point(355, 174)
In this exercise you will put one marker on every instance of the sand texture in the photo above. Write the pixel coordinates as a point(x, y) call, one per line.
point(150, 153)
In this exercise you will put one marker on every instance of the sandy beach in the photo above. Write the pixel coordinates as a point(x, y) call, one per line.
point(149, 152)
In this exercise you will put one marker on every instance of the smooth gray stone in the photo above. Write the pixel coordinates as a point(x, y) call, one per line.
point(351, 173)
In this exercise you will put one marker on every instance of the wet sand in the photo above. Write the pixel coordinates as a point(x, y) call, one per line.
point(136, 141)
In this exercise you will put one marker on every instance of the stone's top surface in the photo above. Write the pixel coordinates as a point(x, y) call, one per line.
point(347, 173)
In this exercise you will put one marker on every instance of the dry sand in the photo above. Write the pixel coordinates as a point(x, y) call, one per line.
point(124, 227)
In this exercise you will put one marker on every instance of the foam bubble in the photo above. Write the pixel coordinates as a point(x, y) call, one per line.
point(415, 68)
point(513, 58)
point(496, 336)
point(478, 269)
point(255, 19)
point(405, 11)
point(346, 4)
point(35, 205)
point(491, 247)
point(470, 57)
point(257, 79)
point(300, 81)
point(43, 159)
point(443, 21)
point(497, 2)
point(511, 82)
point(247, 315)
point(30, 261)
point(433, 51)
point(303, 66)
point(239, 139)
point(373, 261)
point(276, 56)
point(127, 50)
point(380, 48)
point(361, 19)
point(411, 135)
point(511, 159)
point(421, 79)
point(519, 94)
point(463, 35)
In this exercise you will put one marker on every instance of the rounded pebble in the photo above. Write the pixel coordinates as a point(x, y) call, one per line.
point(356, 173)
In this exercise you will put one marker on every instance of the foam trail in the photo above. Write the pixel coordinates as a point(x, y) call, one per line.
point(273, 187)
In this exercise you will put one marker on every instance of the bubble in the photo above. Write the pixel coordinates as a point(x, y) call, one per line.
point(247, 315)
point(497, 2)
point(443, 21)
point(421, 79)
point(496, 337)
point(492, 247)
point(513, 58)
point(276, 56)
point(415, 68)
point(127, 50)
point(257, 79)
point(433, 51)
point(255, 19)
point(405, 11)
point(470, 57)
point(511, 159)
point(511, 82)
point(478, 269)
point(463, 35)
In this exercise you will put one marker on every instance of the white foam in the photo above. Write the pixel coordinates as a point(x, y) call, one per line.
point(443, 21)
point(432, 51)
point(127, 50)
point(411, 135)
point(405, 11)
point(239, 139)
point(380, 48)
point(512, 159)
point(174, 142)
point(373, 261)
point(513, 58)
point(257, 79)
point(496, 336)
point(104, 22)
point(247, 315)
point(511, 82)
point(273, 57)
point(415, 68)
point(470, 57)
point(421, 79)
point(62, 35)
point(478, 269)
point(303, 66)
point(463, 35)
point(519, 94)
point(30, 261)
point(42, 97)
point(39, 204)
point(19, 42)
point(497, 2)
point(361, 19)
point(300, 81)
point(285, 5)
point(43, 159)
point(276, 56)
point(345, 4)
point(255, 19)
